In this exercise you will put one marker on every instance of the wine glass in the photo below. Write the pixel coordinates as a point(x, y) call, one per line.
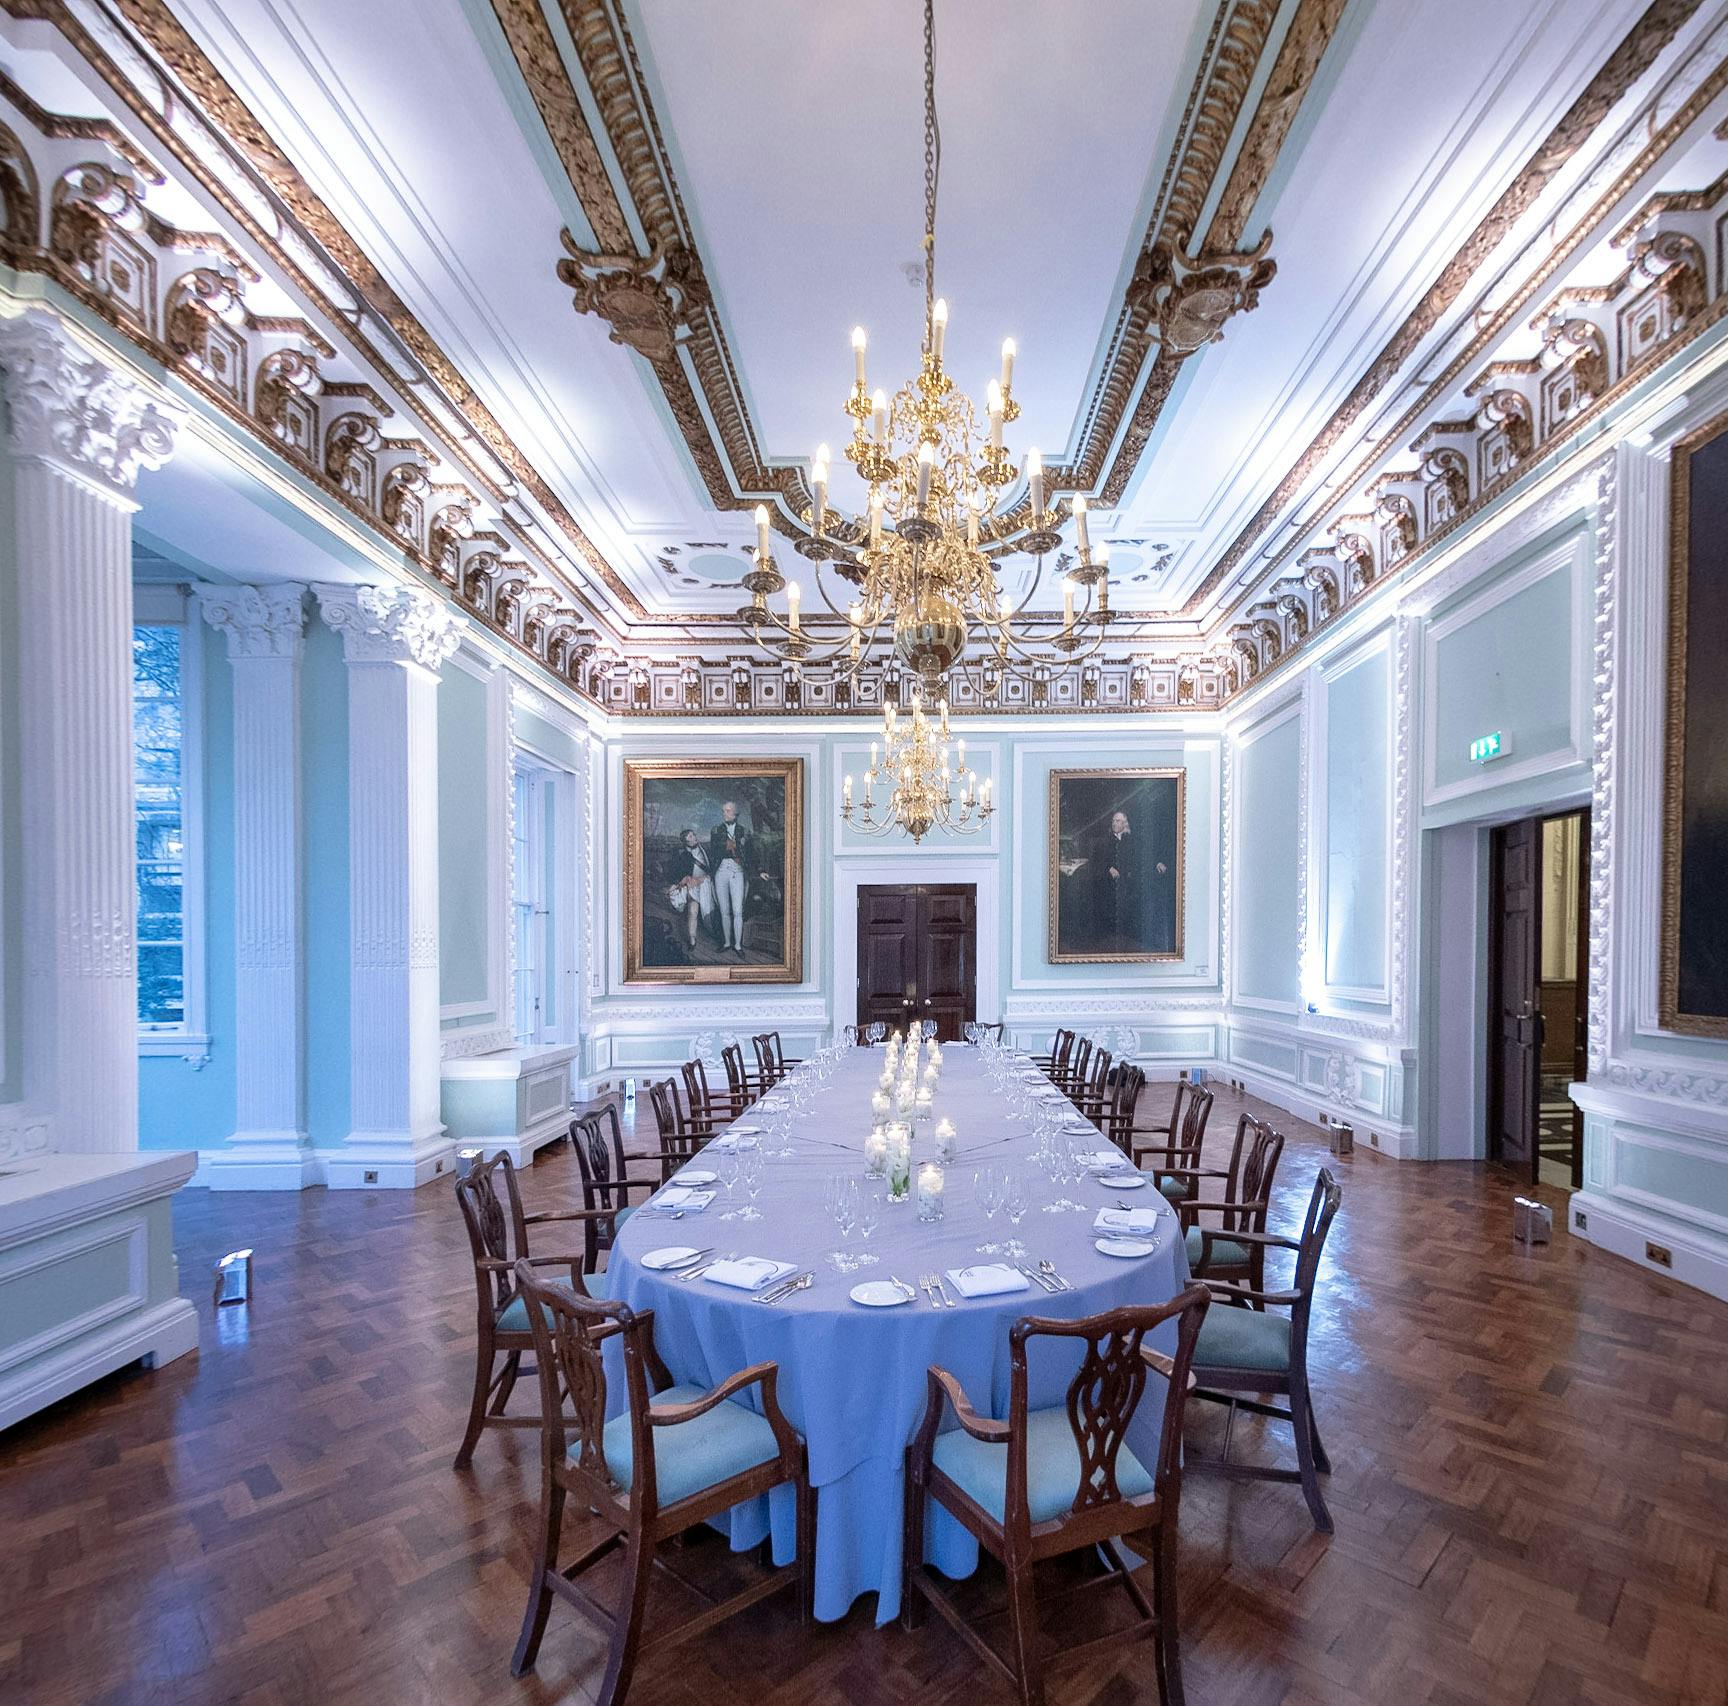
point(1016, 1196)
point(989, 1181)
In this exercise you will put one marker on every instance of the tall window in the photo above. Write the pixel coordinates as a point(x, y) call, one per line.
point(159, 775)
point(528, 898)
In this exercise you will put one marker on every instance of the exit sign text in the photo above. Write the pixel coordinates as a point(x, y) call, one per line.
point(1485, 748)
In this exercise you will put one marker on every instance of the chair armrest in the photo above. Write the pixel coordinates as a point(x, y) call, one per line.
point(1247, 1294)
point(1271, 1240)
point(565, 1214)
point(670, 1415)
point(943, 1384)
point(1222, 1207)
point(1164, 1365)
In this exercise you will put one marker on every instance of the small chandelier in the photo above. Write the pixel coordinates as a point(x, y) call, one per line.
point(923, 559)
point(928, 791)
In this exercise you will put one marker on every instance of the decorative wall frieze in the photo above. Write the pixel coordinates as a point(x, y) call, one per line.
point(257, 621)
point(391, 624)
point(66, 407)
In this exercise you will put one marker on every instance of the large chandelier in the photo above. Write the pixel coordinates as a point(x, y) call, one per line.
point(930, 786)
point(923, 558)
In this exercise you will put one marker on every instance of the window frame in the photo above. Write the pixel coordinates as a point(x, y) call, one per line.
point(171, 607)
point(530, 840)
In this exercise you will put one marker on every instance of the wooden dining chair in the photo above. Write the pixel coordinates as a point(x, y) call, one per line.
point(598, 1139)
point(1244, 1348)
point(1243, 1202)
point(1055, 1063)
point(492, 1211)
point(1061, 1479)
point(680, 1141)
point(708, 1109)
point(1176, 1160)
point(1116, 1117)
point(1091, 1092)
point(1079, 1064)
point(771, 1063)
point(995, 1029)
point(674, 1457)
point(740, 1084)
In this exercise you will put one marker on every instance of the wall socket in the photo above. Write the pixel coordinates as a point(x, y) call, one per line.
point(1659, 1254)
point(1374, 1139)
point(370, 1176)
point(1580, 1220)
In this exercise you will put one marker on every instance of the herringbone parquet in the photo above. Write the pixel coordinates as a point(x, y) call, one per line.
point(1530, 1489)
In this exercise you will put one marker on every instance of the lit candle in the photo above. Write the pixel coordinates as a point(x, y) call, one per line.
point(972, 521)
point(993, 403)
point(929, 1189)
point(926, 462)
point(858, 343)
point(1080, 536)
point(960, 753)
point(875, 520)
point(793, 594)
point(819, 481)
point(879, 1106)
point(938, 328)
point(847, 791)
point(986, 793)
point(943, 708)
point(879, 414)
point(1067, 603)
point(762, 533)
point(1035, 475)
point(876, 1153)
point(872, 755)
point(1008, 353)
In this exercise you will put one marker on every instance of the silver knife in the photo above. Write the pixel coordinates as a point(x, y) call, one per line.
point(784, 1289)
point(942, 1291)
point(1033, 1274)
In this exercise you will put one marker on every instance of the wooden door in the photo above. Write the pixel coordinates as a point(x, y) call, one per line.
point(1515, 1025)
point(918, 955)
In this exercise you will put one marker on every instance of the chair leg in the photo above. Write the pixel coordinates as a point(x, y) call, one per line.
point(1167, 1639)
point(627, 1629)
point(1023, 1615)
point(806, 1540)
point(1321, 1461)
point(539, 1594)
point(484, 1357)
point(507, 1385)
point(912, 1551)
point(1302, 1416)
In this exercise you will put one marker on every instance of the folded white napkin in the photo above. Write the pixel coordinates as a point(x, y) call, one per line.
point(750, 1273)
point(987, 1279)
point(725, 1143)
point(1106, 1161)
point(684, 1197)
point(1126, 1220)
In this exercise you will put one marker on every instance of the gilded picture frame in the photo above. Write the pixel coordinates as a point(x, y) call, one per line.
point(694, 875)
point(1692, 992)
point(1117, 866)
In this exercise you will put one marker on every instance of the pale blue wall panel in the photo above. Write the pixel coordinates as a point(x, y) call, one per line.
point(1358, 730)
point(464, 892)
point(324, 780)
point(1267, 867)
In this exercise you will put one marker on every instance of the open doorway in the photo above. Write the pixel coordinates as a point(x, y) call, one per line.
point(1538, 978)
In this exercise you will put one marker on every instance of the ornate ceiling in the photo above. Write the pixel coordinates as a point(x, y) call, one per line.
point(555, 291)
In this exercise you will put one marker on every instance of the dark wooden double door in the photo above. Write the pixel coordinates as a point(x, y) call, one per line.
point(918, 955)
point(1537, 1009)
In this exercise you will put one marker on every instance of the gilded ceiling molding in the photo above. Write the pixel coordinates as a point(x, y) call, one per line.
point(1629, 61)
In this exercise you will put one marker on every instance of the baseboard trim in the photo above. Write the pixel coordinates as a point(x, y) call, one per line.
point(258, 1167)
point(1697, 1259)
point(367, 1164)
point(157, 1334)
point(1374, 1135)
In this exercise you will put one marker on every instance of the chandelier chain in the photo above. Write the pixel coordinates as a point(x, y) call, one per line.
point(932, 164)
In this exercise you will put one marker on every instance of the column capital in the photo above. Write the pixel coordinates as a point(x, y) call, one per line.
point(257, 621)
point(68, 408)
point(391, 624)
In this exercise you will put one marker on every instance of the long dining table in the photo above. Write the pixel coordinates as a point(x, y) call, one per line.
point(853, 1379)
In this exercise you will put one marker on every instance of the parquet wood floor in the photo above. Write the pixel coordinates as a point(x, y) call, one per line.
point(1530, 1489)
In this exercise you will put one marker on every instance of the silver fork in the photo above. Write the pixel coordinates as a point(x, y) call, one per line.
point(927, 1283)
point(942, 1291)
point(697, 1272)
point(1048, 1267)
point(1036, 1277)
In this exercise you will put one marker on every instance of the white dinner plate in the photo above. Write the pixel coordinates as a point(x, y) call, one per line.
point(1126, 1248)
point(697, 1176)
point(673, 1256)
point(743, 1130)
point(878, 1294)
point(1122, 1181)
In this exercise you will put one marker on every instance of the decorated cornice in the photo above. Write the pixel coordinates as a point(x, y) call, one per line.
point(258, 621)
point(66, 407)
point(391, 624)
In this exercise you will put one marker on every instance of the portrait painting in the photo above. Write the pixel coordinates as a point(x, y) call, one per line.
point(1116, 865)
point(713, 870)
point(1694, 968)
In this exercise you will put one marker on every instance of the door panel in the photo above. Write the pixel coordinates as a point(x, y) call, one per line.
point(917, 955)
point(1515, 1022)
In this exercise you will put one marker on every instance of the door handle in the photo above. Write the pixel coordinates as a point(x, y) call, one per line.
point(926, 1000)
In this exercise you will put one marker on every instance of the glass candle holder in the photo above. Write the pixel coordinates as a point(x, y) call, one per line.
point(880, 1107)
point(876, 1154)
point(946, 1142)
point(924, 1108)
point(930, 1186)
point(898, 1144)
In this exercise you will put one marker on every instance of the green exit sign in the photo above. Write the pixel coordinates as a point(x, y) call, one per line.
point(1485, 748)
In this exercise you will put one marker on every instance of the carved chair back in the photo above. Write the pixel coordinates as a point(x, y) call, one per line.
point(679, 1139)
point(492, 1211)
point(1124, 1098)
point(994, 1029)
point(598, 1139)
point(1322, 1211)
point(1092, 1082)
point(1079, 1064)
point(770, 1057)
point(1188, 1136)
point(1253, 1164)
point(737, 1074)
point(1101, 1401)
point(704, 1112)
point(851, 1035)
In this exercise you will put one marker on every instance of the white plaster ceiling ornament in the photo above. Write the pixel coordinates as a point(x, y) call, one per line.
point(67, 407)
point(391, 624)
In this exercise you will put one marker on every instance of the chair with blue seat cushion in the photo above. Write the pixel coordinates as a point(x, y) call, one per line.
point(676, 1456)
point(1215, 1253)
point(1245, 1349)
point(1062, 1479)
point(1175, 1163)
point(492, 1211)
point(598, 1139)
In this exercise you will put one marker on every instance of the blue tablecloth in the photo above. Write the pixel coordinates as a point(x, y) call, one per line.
point(852, 1379)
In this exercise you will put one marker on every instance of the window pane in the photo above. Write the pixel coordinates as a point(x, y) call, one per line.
point(158, 746)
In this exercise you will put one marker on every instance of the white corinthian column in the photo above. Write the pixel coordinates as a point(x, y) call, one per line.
point(265, 627)
point(78, 432)
point(396, 640)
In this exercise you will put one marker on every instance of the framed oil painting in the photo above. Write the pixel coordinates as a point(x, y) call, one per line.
point(714, 870)
point(1694, 969)
point(1116, 865)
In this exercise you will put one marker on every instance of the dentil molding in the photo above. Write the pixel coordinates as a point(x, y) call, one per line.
point(69, 409)
point(257, 621)
point(391, 624)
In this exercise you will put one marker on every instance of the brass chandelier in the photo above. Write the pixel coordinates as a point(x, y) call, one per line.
point(930, 786)
point(923, 559)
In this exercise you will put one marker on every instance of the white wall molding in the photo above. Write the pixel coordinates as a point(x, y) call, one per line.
point(79, 432)
point(264, 627)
